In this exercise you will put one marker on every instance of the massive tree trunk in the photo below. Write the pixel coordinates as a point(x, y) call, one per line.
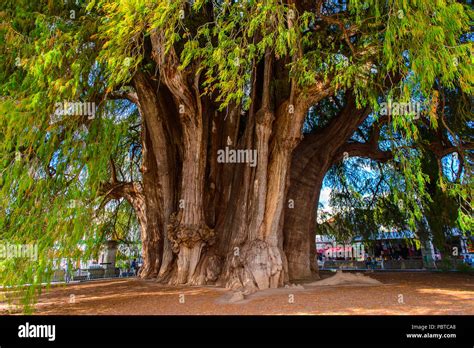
point(159, 170)
point(243, 234)
point(300, 216)
point(311, 160)
point(230, 222)
point(187, 229)
point(243, 226)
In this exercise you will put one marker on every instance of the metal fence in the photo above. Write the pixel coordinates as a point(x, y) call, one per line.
point(91, 273)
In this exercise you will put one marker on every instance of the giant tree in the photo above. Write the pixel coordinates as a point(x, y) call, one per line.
point(208, 84)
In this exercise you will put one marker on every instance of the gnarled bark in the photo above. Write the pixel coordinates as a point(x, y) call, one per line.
point(204, 221)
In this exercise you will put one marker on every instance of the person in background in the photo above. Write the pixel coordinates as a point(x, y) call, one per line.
point(368, 262)
point(134, 266)
point(468, 259)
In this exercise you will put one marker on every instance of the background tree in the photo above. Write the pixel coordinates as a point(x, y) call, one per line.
point(368, 194)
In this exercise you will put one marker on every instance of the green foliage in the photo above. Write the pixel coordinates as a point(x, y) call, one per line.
point(51, 168)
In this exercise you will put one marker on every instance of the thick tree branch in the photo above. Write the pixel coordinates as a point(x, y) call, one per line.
point(118, 95)
point(131, 191)
point(368, 150)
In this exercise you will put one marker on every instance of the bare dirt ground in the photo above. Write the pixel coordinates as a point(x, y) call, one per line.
point(400, 293)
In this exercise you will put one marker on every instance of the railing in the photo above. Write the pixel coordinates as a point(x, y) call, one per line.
point(389, 264)
point(59, 275)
